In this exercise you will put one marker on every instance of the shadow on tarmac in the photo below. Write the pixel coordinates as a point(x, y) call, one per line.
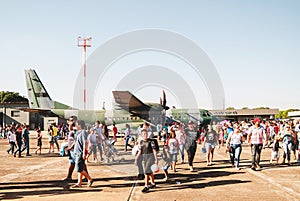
point(58, 187)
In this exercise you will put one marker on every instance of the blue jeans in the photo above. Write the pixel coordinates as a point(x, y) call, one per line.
point(19, 143)
point(126, 142)
point(12, 147)
point(26, 146)
point(235, 154)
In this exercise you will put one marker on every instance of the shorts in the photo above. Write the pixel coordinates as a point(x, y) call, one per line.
point(39, 143)
point(173, 157)
point(72, 157)
point(275, 154)
point(93, 149)
point(79, 162)
point(147, 165)
point(55, 139)
point(209, 145)
point(99, 147)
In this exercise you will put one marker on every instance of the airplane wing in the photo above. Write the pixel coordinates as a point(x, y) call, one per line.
point(132, 104)
point(40, 111)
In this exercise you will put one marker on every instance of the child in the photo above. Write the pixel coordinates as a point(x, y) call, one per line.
point(148, 153)
point(275, 150)
point(92, 140)
point(39, 142)
point(50, 139)
point(173, 146)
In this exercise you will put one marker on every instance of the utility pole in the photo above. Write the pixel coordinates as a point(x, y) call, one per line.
point(84, 42)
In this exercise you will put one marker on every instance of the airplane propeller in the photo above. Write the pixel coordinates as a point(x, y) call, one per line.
point(163, 101)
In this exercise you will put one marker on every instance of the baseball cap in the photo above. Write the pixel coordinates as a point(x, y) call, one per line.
point(256, 120)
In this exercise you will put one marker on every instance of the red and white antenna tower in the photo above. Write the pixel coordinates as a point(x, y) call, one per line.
point(84, 42)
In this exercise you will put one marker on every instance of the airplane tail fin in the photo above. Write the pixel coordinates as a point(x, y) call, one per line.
point(37, 94)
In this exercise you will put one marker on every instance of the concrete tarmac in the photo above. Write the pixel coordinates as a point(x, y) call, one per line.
point(40, 177)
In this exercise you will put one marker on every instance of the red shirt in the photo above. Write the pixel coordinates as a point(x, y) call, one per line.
point(115, 130)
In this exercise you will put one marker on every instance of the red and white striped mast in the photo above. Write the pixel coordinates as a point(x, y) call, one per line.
point(84, 42)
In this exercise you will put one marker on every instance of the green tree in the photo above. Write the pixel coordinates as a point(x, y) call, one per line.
point(8, 96)
point(261, 108)
point(284, 113)
point(230, 108)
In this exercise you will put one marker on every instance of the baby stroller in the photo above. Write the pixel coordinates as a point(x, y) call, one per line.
point(110, 152)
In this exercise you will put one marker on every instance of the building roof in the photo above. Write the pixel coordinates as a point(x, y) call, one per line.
point(245, 112)
point(294, 114)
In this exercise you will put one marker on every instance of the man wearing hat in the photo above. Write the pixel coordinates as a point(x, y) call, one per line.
point(255, 139)
point(192, 136)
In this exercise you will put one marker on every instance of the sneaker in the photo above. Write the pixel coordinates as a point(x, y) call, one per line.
point(253, 167)
point(152, 186)
point(257, 166)
point(191, 168)
point(166, 179)
point(145, 190)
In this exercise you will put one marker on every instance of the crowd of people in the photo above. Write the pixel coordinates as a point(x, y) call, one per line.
point(177, 139)
point(18, 139)
point(259, 134)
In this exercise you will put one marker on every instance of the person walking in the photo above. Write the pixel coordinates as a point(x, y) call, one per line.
point(115, 131)
point(181, 136)
point(173, 147)
point(287, 143)
point(80, 150)
point(148, 153)
point(255, 140)
point(210, 142)
point(234, 143)
point(19, 140)
point(127, 137)
point(190, 143)
point(39, 142)
point(100, 138)
point(25, 134)
point(12, 140)
point(55, 135)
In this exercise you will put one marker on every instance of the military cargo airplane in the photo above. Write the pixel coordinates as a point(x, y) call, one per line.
point(128, 107)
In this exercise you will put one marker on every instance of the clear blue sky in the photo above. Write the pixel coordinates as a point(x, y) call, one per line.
point(253, 44)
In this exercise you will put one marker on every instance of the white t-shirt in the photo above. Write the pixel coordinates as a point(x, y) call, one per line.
point(236, 138)
point(172, 144)
point(11, 136)
point(180, 137)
